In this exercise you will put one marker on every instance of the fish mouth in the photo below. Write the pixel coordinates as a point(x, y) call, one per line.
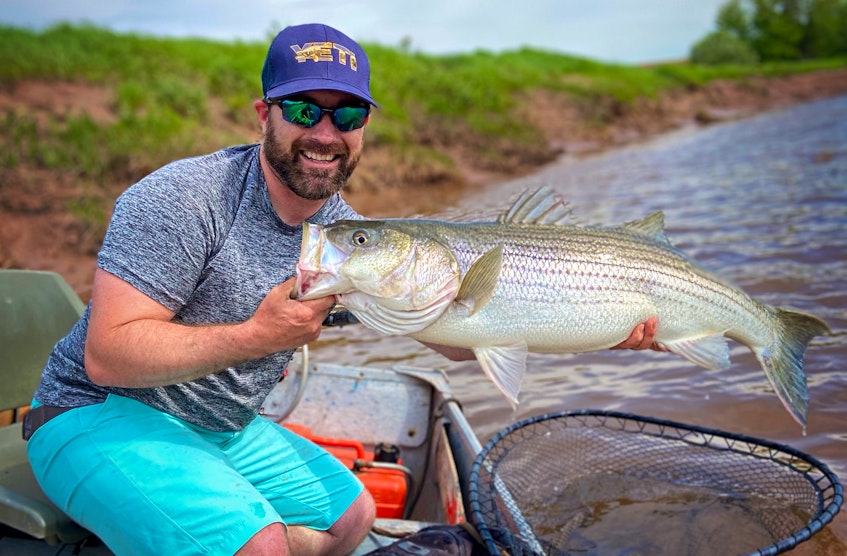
point(318, 267)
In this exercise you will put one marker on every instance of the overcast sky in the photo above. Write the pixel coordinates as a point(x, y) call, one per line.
point(628, 31)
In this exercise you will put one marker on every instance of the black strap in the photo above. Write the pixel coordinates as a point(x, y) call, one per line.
point(37, 416)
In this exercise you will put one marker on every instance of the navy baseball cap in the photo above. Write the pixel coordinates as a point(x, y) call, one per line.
point(314, 56)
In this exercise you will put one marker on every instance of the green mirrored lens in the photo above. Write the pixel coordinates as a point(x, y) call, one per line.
point(307, 114)
point(348, 118)
point(301, 113)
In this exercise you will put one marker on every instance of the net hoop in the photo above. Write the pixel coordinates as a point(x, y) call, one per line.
point(514, 535)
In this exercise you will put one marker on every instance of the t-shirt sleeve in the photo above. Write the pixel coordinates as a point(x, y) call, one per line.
point(161, 233)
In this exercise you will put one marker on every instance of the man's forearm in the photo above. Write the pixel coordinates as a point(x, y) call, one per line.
point(148, 353)
point(133, 341)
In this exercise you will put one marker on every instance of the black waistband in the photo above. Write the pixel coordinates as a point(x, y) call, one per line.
point(37, 416)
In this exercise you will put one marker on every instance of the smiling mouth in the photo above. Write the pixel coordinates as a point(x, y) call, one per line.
point(318, 157)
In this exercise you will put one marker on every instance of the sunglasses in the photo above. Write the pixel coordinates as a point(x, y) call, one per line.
point(308, 114)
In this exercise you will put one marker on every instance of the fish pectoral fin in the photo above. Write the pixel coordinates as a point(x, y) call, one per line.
point(480, 282)
point(505, 366)
point(710, 351)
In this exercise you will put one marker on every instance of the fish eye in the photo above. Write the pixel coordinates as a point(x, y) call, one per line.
point(361, 237)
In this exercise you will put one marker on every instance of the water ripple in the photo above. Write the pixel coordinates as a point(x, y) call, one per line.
point(760, 202)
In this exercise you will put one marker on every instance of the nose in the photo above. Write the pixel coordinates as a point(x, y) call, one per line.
point(325, 130)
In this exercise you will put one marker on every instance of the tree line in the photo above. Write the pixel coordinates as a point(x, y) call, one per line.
point(753, 31)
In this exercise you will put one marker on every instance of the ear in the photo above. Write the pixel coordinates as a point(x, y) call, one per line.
point(262, 110)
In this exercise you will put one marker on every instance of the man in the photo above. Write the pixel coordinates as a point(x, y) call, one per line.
point(144, 428)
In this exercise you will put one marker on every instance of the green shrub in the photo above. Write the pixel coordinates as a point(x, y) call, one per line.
point(722, 48)
point(130, 99)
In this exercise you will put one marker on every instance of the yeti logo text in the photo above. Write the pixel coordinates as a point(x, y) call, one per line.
point(324, 52)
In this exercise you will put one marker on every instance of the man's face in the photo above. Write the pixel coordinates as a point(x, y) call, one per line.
point(314, 162)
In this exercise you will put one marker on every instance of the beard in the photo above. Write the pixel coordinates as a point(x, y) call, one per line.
point(310, 184)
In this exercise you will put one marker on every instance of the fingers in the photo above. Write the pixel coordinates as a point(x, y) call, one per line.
point(649, 333)
point(635, 338)
point(320, 304)
point(642, 336)
point(651, 328)
point(283, 323)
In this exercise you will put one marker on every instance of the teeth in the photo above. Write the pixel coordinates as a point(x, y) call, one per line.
point(319, 157)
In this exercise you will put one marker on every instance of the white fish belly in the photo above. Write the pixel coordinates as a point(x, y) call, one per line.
point(543, 327)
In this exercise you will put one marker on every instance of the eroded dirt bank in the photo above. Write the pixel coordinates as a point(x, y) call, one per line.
point(38, 232)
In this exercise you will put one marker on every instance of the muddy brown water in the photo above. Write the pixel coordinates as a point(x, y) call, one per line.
point(760, 202)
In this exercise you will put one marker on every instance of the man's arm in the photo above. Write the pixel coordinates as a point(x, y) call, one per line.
point(133, 342)
point(643, 336)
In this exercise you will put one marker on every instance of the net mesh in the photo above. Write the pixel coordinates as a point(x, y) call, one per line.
point(591, 482)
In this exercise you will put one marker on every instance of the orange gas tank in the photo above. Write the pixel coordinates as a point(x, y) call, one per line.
point(389, 487)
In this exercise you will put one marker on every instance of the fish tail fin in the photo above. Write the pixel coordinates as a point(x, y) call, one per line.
point(782, 361)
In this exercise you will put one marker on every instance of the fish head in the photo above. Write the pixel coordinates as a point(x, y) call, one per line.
point(398, 268)
point(317, 269)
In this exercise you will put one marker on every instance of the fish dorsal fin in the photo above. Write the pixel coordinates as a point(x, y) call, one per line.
point(480, 282)
point(539, 206)
point(652, 226)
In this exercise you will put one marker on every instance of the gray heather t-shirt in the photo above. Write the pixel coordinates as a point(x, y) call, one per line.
point(199, 236)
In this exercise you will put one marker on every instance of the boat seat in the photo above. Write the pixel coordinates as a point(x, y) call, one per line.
point(36, 309)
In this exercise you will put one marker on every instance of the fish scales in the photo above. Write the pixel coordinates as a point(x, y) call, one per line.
point(529, 282)
point(571, 259)
point(562, 265)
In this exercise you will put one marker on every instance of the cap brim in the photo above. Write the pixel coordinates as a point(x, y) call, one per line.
point(317, 84)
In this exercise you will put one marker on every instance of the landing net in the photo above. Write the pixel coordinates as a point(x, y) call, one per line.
point(596, 482)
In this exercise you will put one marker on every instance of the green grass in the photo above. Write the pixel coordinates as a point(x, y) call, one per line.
point(163, 90)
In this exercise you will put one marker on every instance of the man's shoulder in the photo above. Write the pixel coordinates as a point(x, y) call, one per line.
point(228, 160)
point(222, 173)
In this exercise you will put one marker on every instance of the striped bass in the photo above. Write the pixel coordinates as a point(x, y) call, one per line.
point(530, 282)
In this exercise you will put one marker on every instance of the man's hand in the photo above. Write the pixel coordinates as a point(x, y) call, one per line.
point(285, 323)
point(643, 336)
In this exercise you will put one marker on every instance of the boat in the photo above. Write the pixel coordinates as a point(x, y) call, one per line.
point(403, 433)
point(399, 429)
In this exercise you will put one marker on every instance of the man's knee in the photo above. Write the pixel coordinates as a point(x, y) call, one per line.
point(361, 513)
point(273, 539)
point(354, 524)
point(342, 537)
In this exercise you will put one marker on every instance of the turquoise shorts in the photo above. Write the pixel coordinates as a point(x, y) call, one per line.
point(145, 481)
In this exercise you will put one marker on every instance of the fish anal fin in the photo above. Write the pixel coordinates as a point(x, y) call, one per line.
point(505, 366)
point(480, 282)
point(710, 351)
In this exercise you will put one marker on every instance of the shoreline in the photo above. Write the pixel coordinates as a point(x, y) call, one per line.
point(575, 133)
point(40, 233)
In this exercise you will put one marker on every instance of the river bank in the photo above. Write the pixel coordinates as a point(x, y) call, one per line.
point(39, 231)
point(575, 128)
